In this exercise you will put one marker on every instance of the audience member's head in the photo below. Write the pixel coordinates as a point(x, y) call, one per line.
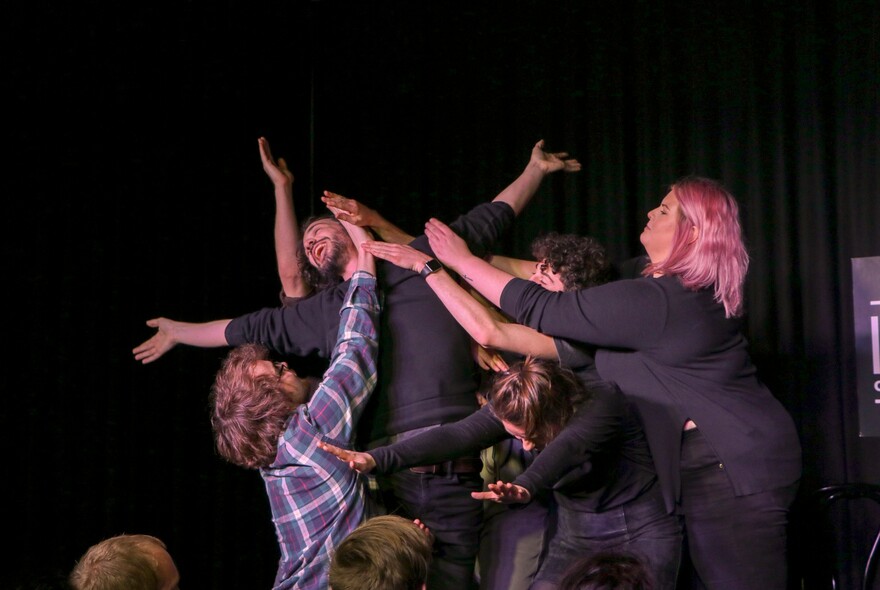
point(126, 562)
point(607, 570)
point(568, 262)
point(252, 399)
point(384, 553)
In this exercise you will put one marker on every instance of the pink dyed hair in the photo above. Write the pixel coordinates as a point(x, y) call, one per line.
point(718, 257)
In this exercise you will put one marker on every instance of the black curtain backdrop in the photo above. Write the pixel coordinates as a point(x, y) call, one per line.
point(134, 189)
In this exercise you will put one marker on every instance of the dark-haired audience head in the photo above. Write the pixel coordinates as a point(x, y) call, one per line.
point(126, 562)
point(326, 249)
point(251, 401)
point(607, 570)
point(534, 399)
point(567, 262)
point(386, 552)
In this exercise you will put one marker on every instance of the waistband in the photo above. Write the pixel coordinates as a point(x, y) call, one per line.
point(460, 465)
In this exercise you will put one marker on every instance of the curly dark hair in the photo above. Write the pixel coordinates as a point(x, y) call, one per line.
point(580, 260)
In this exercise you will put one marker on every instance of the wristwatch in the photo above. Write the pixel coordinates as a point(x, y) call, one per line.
point(430, 267)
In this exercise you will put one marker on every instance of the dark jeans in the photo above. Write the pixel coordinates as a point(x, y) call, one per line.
point(735, 542)
point(444, 504)
point(512, 543)
point(642, 527)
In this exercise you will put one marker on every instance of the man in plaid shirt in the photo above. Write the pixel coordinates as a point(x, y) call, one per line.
point(266, 417)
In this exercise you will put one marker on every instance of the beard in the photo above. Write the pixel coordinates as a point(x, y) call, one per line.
point(333, 262)
point(330, 271)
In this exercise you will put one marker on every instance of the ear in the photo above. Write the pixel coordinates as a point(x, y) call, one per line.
point(695, 233)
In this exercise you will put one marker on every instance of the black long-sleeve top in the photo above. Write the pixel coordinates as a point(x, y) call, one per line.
point(600, 460)
point(427, 375)
point(678, 357)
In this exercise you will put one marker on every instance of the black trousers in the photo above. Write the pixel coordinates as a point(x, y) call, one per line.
point(734, 542)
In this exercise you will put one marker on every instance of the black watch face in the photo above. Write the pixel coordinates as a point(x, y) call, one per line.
point(431, 266)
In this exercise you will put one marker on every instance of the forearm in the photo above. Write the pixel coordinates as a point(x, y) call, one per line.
point(482, 276)
point(522, 269)
point(351, 377)
point(483, 326)
point(478, 431)
point(203, 335)
point(389, 232)
point(288, 242)
point(521, 190)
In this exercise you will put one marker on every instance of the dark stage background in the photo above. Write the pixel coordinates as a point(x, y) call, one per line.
point(134, 189)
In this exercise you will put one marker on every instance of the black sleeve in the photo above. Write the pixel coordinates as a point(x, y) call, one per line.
point(478, 431)
point(595, 425)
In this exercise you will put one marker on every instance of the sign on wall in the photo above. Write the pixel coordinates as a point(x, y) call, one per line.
point(866, 316)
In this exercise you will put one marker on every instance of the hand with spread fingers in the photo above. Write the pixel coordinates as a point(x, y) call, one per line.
point(360, 462)
point(349, 210)
point(549, 162)
point(504, 493)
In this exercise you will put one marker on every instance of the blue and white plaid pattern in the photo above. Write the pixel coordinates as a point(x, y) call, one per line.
point(316, 499)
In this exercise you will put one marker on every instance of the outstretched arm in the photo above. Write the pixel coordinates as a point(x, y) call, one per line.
point(541, 163)
point(170, 333)
point(357, 213)
point(522, 269)
point(288, 241)
point(485, 328)
point(453, 252)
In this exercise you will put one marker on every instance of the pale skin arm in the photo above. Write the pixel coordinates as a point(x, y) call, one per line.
point(355, 212)
point(288, 241)
point(541, 163)
point(517, 267)
point(170, 333)
point(504, 493)
point(487, 330)
point(453, 252)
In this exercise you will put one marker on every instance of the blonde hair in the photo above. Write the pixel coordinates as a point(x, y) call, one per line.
point(386, 552)
point(123, 562)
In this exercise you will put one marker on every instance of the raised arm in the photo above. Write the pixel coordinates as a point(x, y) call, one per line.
point(170, 333)
point(288, 241)
point(357, 213)
point(486, 328)
point(541, 163)
point(338, 403)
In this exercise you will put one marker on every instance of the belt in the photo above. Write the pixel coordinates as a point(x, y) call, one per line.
point(460, 465)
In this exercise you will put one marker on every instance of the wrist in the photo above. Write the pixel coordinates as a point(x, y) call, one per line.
point(431, 266)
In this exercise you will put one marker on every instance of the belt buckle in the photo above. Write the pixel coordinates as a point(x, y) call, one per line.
point(426, 469)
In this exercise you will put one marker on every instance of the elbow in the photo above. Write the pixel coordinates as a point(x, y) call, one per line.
point(489, 337)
